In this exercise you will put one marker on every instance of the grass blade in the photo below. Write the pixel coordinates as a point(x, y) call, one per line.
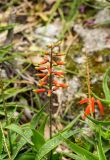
point(19, 130)
point(52, 143)
point(105, 84)
point(71, 155)
point(21, 143)
point(100, 149)
point(36, 118)
point(79, 150)
point(99, 122)
point(1, 142)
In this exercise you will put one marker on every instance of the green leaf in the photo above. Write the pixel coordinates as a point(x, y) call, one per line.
point(37, 101)
point(8, 93)
point(56, 140)
point(105, 85)
point(106, 101)
point(35, 119)
point(100, 149)
point(37, 139)
point(19, 130)
point(52, 143)
point(3, 156)
point(42, 126)
point(98, 122)
point(74, 9)
point(21, 143)
point(53, 10)
point(1, 142)
point(57, 156)
point(69, 126)
point(26, 156)
point(79, 150)
point(71, 155)
point(4, 28)
point(105, 89)
point(4, 50)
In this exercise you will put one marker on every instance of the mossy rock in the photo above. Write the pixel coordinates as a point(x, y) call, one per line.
point(74, 50)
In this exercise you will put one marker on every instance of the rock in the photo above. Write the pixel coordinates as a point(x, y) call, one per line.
point(95, 39)
point(48, 34)
point(102, 16)
point(80, 59)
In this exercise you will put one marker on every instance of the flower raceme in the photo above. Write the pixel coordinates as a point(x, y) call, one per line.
point(91, 106)
point(46, 68)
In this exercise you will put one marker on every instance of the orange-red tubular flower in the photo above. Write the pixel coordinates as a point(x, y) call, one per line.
point(92, 103)
point(42, 83)
point(91, 106)
point(63, 85)
point(49, 71)
point(55, 83)
point(40, 74)
point(40, 68)
point(44, 78)
point(44, 61)
point(55, 63)
point(49, 93)
point(101, 108)
point(59, 74)
point(87, 111)
point(39, 90)
point(84, 101)
point(60, 63)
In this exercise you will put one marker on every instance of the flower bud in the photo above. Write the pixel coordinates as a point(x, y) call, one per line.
point(44, 78)
point(60, 63)
point(39, 90)
point(59, 74)
point(40, 74)
point(42, 83)
point(49, 93)
point(40, 68)
point(43, 62)
point(63, 85)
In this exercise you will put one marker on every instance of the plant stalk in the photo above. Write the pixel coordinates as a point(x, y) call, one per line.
point(88, 83)
point(88, 77)
point(50, 100)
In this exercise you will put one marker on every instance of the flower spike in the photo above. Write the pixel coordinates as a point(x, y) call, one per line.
point(91, 106)
point(47, 77)
point(49, 72)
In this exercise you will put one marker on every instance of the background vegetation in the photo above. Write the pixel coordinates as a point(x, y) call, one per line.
point(26, 28)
